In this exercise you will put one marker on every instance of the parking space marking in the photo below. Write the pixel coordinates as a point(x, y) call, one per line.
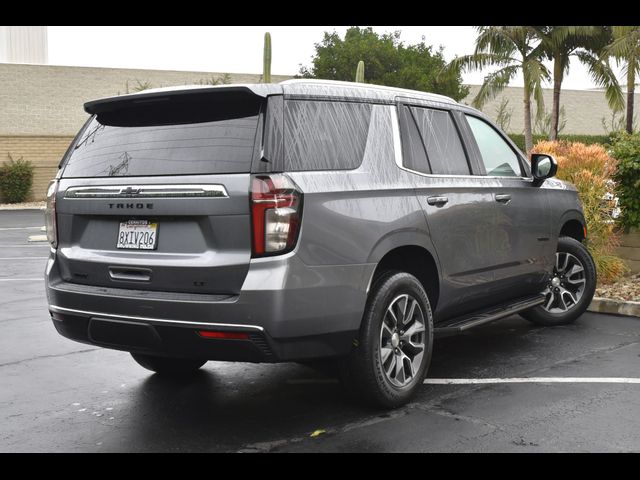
point(476, 381)
point(20, 258)
point(20, 245)
point(21, 279)
point(2, 229)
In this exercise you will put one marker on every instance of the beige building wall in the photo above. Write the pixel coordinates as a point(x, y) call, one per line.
point(41, 106)
point(584, 109)
point(47, 100)
point(44, 152)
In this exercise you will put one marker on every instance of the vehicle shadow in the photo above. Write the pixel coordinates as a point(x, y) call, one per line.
point(227, 406)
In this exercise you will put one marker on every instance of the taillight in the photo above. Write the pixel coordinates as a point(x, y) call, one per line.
point(50, 214)
point(276, 209)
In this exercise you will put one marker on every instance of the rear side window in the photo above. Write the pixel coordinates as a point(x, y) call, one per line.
point(442, 141)
point(414, 155)
point(168, 138)
point(325, 135)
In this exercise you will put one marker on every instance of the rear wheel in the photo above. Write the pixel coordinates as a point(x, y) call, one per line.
point(394, 349)
point(168, 365)
point(571, 287)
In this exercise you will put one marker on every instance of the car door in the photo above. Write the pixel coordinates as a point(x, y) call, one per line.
point(523, 247)
point(459, 209)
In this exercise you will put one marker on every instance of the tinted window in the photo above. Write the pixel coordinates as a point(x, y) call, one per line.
point(442, 141)
point(414, 155)
point(325, 135)
point(499, 158)
point(172, 138)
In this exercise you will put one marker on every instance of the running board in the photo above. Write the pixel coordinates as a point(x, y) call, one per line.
point(470, 320)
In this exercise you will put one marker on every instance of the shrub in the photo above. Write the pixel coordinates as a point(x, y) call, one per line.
point(591, 170)
point(16, 178)
point(518, 138)
point(625, 148)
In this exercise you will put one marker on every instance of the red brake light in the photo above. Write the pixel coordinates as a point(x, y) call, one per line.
point(224, 335)
point(276, 204)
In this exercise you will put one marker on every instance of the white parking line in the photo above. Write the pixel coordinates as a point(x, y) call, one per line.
point(21, 258)
point(20, 245)
point(476, 381)
point(21, 279)
point(2, 229)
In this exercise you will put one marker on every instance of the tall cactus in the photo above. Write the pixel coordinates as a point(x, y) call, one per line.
point(360, 72)
point(266, 67)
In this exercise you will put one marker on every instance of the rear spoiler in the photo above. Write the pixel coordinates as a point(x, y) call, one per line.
point(164, 94)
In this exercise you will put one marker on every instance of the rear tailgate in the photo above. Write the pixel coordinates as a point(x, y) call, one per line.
point(155, 195)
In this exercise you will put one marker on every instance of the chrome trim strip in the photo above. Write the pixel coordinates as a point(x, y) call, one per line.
point(147, 191)
point(57, 309)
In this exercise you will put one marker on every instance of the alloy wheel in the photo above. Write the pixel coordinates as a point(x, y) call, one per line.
point(402, 340)
point(567, 284)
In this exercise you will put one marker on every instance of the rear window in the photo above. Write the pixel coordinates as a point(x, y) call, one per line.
point(170, 137)
point(325, 135)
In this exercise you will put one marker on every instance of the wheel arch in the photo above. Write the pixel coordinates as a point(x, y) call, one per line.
point(414, 258)
point(572, 224)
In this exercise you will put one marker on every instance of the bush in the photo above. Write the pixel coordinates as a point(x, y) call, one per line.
point(591, 170)
point(518, 138)
point(16, 178)
point(625, 148)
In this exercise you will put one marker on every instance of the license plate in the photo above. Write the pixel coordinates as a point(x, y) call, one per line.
point(138, 235)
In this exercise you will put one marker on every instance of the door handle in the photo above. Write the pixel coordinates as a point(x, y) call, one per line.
point(439, 201)
point(503, 198)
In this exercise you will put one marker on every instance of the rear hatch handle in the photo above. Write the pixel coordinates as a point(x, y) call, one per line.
point(130, 274)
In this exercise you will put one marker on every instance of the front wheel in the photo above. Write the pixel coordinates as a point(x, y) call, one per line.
point(570, 288)
point(168, 365)
point(393, 351)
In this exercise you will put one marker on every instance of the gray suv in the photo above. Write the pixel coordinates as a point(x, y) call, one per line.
point(305, 221)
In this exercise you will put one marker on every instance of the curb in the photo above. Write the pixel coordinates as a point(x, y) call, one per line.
point(616, 307)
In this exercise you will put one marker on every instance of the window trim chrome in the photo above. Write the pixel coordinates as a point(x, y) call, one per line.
point(146, 191)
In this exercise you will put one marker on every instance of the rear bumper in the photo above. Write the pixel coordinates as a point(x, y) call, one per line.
point(182, 339)
point(290, 312)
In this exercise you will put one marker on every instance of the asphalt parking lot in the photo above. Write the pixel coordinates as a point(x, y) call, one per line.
point(57, 395)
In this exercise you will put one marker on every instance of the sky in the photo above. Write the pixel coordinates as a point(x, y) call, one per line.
point(238, 49)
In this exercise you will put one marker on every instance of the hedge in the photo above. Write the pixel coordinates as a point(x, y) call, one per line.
point(518, 138)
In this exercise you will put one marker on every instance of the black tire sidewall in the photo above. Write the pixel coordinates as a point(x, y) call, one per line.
point(368, 371)
point(168, 365)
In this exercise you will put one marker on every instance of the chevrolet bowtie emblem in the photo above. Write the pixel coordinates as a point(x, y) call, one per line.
point(129, 191)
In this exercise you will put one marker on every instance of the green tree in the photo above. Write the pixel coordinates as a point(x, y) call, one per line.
point(625, 48)
point(587, 43)
point(512, 49)
point(388, 61)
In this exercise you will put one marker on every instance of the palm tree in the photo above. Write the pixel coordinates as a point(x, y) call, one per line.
point(560, 43)
point(513, 50)
point(625, 48)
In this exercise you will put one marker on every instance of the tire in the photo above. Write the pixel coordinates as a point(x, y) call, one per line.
point(363, 371)
point(553, 316)
point(168, 365)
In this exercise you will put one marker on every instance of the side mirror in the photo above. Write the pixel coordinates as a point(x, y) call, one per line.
point(543, 166)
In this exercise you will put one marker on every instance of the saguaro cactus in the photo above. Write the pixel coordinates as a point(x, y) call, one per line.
point(266, 67)
point(360, 72)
